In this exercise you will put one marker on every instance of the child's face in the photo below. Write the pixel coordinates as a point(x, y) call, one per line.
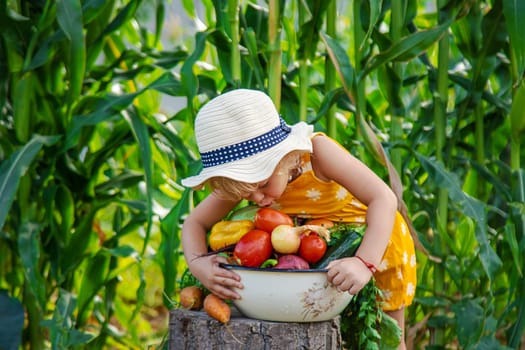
point(270, 189)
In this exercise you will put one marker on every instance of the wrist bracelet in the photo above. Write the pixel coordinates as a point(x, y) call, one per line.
point(370, 266)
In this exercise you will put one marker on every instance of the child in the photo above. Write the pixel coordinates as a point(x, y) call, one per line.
point(248, 152)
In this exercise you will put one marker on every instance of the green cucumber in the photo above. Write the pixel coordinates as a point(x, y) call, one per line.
point(244, 213)
point(345, 246)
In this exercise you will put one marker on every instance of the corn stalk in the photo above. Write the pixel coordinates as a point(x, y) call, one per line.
point(395, 82)
point(440, 120)
point(233, 15)
point(274, 51)
point(329, 69)
point(515, 15)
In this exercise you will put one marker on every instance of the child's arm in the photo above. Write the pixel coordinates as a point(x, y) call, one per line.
point(331, 161)
point(206, 268)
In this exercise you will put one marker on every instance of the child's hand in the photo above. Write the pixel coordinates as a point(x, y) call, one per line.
point(348, 274)
point(216, 279)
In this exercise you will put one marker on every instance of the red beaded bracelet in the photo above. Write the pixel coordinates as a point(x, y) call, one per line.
point(370, 266)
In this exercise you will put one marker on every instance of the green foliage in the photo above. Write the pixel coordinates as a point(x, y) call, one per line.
point(80, 136)
point(11, 321)
point(365, 325)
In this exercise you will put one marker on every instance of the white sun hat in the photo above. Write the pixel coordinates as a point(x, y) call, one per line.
point(240, 135)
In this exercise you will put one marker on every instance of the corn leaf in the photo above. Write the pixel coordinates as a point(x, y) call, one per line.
point(15, 167)
point(470, 320)
point(170, 228)
point(189, 79)
point(69, 16)
point(11, 321)
point(29, 249)
point(374, 11)
point(63, 334)
point(517, 112)
point(514, 11)
point(407, 48)
point(309, 30)
point(470, 207)
point(140, 131)
point(93, 279)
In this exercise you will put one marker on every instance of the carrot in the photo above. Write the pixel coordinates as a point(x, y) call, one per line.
point(217, 308)
point(191, 298)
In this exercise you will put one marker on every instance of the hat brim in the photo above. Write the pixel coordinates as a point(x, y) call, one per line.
point(260, 166)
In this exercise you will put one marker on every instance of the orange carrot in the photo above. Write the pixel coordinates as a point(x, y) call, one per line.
point(191, 298)
point(217, 308)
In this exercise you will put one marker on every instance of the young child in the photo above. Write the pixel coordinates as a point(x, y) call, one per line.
point(248, 152)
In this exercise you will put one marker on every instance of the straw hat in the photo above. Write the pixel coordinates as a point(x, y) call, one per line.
point(241, 136)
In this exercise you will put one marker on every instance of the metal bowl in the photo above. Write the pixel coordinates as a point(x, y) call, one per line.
point(288, 295)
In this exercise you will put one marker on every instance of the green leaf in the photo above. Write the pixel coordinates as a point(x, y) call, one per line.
point(122, 251)
point(168, 84)
point(121, 181)
point(170, 228)
point(61, 208)
point(470, 207)
point(23, 106)
point(93, 280)
point(106, 108)
point(140, 131)
point(514, 11)
point(469, 321)
point(340, 60)
point(189, 8)
point(407, 48)
point(29, 250)
point(69, 16)
point(518, 196)
point(517, 112)
point(124, 15)
point(510, 238)
point(189, 79)
point(374, 8)
point(63, 334)
point(309, 30)
point(78, 243)
point(250, 40)
point(11, 321)
point(390, 333)
point(15, 167)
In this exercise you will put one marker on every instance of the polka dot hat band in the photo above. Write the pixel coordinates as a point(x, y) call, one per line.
point(246, 148)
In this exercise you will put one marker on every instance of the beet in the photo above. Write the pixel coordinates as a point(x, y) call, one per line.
point(293, 262)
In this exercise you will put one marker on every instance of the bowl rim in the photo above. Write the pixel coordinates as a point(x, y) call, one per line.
point(269, 269)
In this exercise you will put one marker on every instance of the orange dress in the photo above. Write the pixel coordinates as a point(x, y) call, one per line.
point(309, 197)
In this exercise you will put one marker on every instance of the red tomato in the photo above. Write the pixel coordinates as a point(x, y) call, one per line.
point(267, 219)
point(253, 248)
point(312, 248)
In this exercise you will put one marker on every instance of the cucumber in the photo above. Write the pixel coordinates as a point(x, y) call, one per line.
point(345, 246)
point(244, 213)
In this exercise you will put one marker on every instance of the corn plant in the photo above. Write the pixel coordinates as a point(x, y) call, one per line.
point(86, 167)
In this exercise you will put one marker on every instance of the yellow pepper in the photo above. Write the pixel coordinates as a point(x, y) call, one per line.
point(226, 232)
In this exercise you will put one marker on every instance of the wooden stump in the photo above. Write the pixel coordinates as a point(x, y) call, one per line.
point(195, 330)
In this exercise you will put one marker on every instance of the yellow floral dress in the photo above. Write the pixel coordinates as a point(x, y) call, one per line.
point(309, 197)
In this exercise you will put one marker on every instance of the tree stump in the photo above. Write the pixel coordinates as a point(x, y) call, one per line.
point(195, 330)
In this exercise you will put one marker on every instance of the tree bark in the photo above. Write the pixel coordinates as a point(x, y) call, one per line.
point(195, 330)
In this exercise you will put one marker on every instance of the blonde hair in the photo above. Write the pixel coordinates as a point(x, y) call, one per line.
point(230, 189)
